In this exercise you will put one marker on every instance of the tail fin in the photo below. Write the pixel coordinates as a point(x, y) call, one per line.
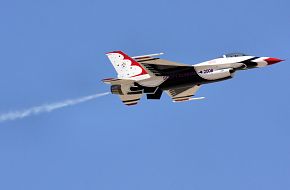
point(127, 67)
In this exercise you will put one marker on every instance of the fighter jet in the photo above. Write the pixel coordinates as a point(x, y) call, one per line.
point(150, 75)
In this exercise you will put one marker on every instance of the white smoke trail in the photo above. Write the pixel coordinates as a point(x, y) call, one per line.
point(46, 108)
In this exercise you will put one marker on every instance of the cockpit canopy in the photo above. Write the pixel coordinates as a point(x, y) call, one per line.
point(233, 55)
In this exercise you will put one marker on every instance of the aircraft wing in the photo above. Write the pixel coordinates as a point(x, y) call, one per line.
point(159, 66)
point(182, 94)
point(158, 61)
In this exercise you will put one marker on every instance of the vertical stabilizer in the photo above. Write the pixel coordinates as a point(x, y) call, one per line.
point(127, 67)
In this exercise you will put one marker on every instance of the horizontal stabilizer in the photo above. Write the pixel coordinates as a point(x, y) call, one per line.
point(130, 100)
point(114, 81)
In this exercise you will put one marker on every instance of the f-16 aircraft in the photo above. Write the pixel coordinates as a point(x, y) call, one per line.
point(150, 75)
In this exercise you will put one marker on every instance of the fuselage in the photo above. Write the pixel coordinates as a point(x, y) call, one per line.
point(222, 68)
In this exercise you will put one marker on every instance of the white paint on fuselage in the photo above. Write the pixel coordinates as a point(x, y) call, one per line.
point(261, 62)
point(231, 62)
point(222, 63)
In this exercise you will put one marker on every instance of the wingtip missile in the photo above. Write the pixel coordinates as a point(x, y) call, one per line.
point(188, 99)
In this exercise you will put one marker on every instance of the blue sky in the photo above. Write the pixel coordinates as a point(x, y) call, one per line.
point(238, 138)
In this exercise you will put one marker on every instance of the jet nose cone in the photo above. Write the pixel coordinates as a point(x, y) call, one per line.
point(272, 60)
